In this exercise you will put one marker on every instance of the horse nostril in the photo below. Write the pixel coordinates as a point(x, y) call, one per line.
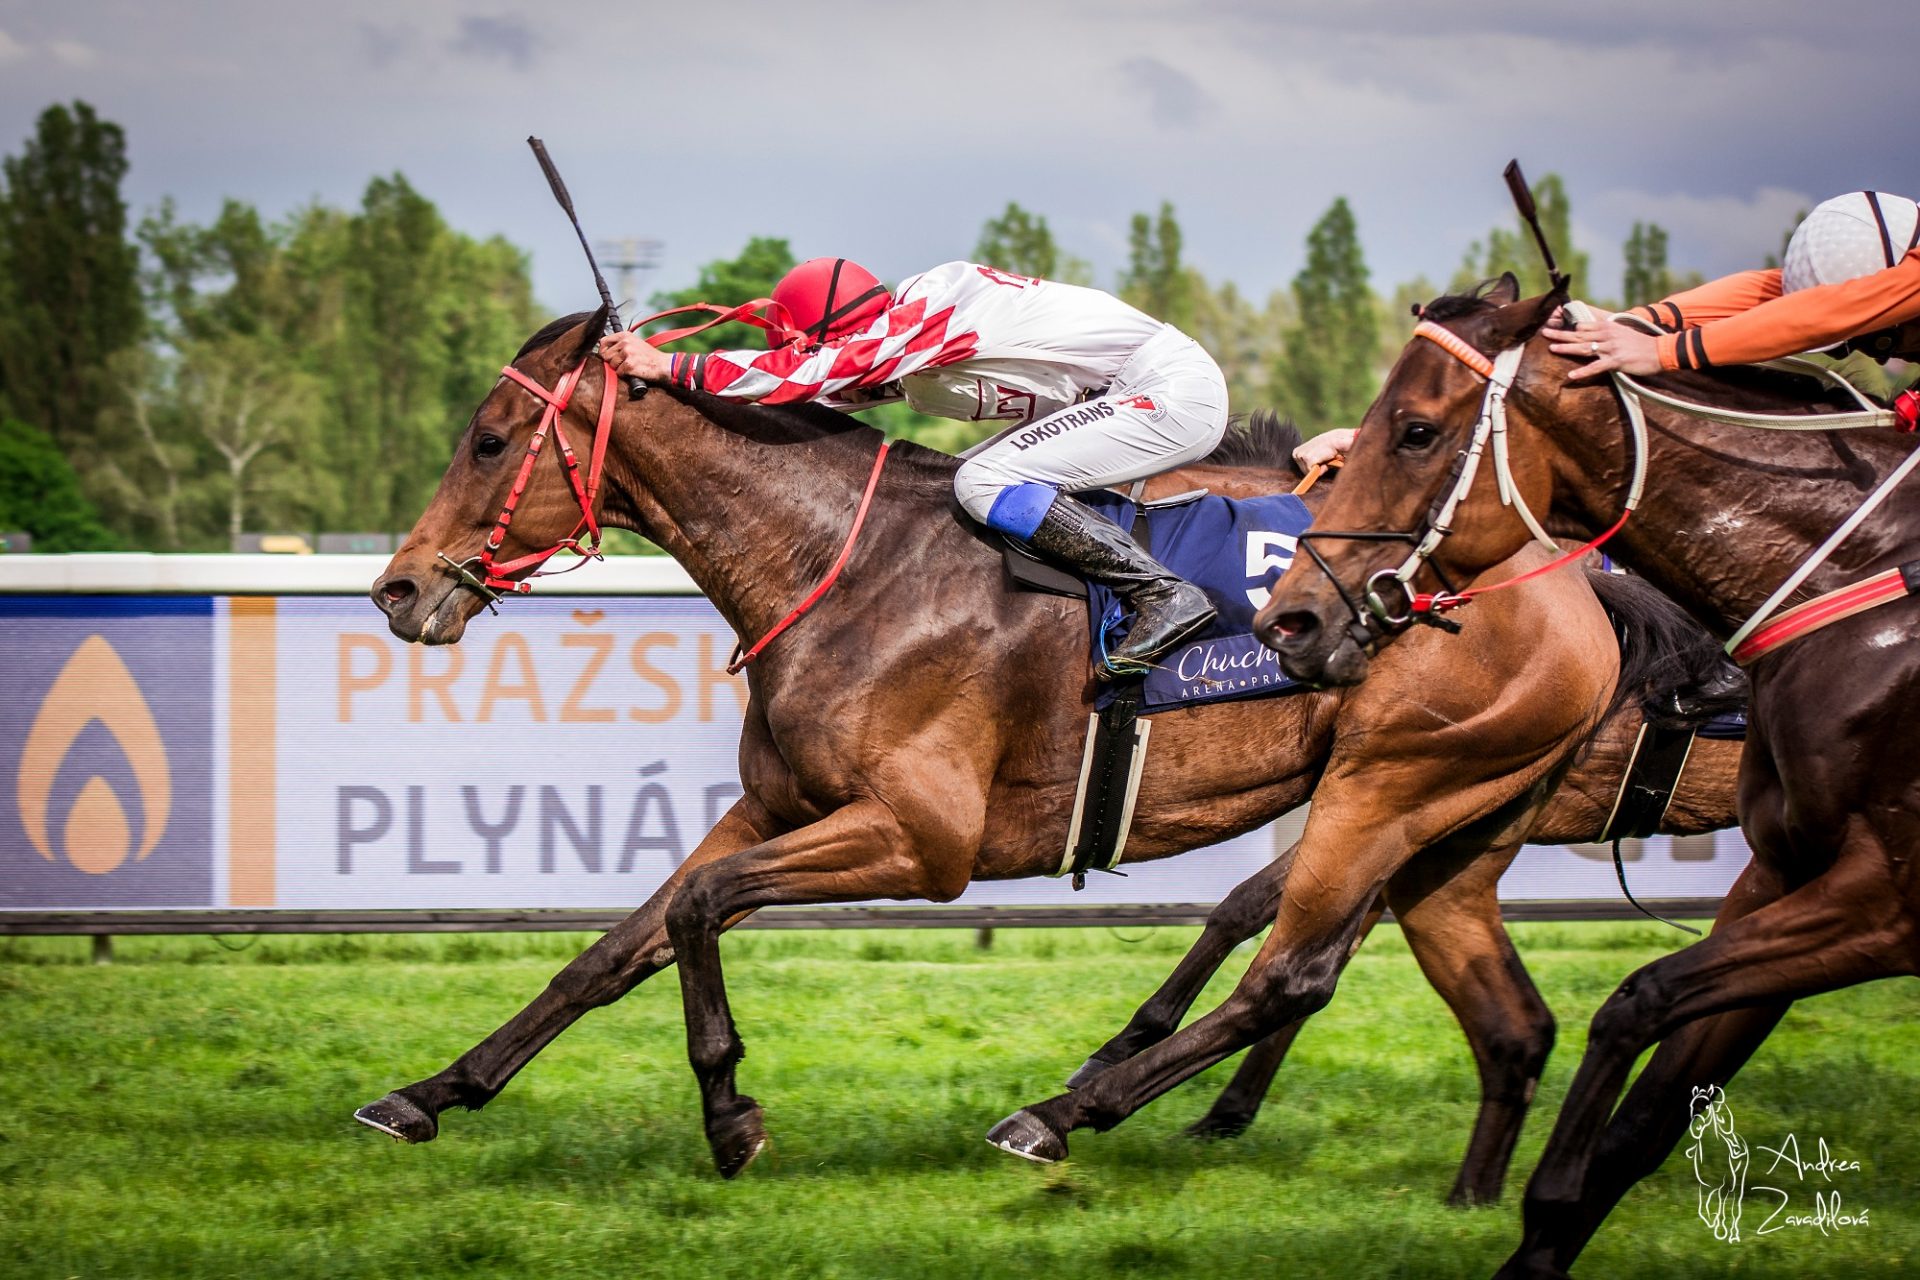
point(394, 592)
point(1293, 625)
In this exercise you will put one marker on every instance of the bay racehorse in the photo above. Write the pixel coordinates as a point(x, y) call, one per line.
point(1460, 948)
point(922, 727)
point(1829, 787)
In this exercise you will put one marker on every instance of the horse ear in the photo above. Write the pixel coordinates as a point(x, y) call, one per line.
point(1517, 322)
point(591, 333)
point(1505, 290)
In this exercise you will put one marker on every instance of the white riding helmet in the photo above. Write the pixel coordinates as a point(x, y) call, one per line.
point(1850, 236)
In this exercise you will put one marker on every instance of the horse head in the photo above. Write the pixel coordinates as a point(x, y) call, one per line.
point(1347, 595)
point(497, 508)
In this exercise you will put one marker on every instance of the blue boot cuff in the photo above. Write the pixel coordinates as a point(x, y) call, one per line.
point(1019, 508)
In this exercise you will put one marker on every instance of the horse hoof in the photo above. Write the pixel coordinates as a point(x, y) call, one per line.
point(1211, 1126)
point(1089, 1070)
point(738, 1141)
point(1023, 1134)
point(398, 1118)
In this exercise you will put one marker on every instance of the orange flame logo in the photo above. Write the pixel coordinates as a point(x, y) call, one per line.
point(95, 685)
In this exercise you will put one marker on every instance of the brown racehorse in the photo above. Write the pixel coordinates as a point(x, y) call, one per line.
point(1510, 1043)
point(1829, 789)
point(922, 728)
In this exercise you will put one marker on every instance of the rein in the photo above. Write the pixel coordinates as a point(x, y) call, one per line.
point(494, 577)
point(1757, 635)
point(1489, 435)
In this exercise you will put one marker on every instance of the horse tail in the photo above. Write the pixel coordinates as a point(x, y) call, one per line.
point(1669, 664)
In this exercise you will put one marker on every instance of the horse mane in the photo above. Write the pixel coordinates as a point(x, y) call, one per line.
point(1678, 672)
point(551, 331)
point(1263, 440)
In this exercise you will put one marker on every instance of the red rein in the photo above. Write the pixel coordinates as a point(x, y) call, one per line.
point(497, 575)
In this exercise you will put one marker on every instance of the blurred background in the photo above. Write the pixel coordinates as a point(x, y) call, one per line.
point(258, 262)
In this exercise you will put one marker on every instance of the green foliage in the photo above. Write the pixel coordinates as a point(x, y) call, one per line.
point(1022, 243)
point(69, 297)
point(1155, 279)
point(40, 494)
point(1647, 278)
point(1240, 336)
point(728, 282)
point(1327, 374)
point(308, 374)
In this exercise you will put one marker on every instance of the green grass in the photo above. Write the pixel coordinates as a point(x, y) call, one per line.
point(186, 1112)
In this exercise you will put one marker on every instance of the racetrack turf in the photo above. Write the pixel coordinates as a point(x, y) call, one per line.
point(185, 1111)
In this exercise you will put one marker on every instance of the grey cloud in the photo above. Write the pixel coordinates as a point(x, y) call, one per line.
point(1175, 99)
point(506, 38)
point(383, 46)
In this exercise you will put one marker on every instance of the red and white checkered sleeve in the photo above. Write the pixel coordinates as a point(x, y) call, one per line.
point(902, 340)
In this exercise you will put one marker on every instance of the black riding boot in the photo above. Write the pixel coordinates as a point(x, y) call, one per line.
point(1167, 608)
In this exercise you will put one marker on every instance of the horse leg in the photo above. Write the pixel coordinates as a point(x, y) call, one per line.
point(871, 848)
point(1655, 1112)
point(1456, 935)
point(1233, 1112)
point(1292, 976)
point(1846, 926)
point(620, 960)
point(1242, 914)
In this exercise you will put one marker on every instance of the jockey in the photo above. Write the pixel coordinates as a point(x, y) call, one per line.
point(1852, 276)
point(1099, 393)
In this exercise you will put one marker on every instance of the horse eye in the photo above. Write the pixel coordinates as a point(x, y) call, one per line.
point(489, 446)
point(1418, 435)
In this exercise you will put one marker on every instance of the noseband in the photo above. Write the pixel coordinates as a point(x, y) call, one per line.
point(492, 577)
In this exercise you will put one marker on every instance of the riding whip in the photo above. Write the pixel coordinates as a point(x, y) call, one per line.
point(1530, 213)
point(635, 387)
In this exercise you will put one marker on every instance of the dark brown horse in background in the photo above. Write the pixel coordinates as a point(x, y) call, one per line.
point(1829, 785)
point(923, 727)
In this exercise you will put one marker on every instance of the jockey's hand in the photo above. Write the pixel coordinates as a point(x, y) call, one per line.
point(1324, 449)
point(1605, 346)
point(633, 356)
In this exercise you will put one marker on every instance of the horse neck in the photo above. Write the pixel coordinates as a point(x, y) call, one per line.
point(757, 516)
point(1729, 512)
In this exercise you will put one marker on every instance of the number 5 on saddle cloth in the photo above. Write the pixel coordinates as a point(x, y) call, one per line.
point(1234, 550)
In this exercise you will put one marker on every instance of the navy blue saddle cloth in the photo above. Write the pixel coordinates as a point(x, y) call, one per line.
point(1234, 549)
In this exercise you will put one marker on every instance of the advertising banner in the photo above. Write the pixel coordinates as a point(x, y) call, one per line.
point(259, 752)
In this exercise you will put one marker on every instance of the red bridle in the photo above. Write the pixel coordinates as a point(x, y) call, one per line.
point(495, 576)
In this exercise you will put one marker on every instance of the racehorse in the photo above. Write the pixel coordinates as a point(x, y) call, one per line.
point(922, 727)
point(1509, 1043)
point(1829, 792)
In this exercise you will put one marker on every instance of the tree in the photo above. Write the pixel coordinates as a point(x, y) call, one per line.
point(69, 295)
point(1155, 280)
point(40, 494)
point(1244, 339)
point(728, 282)
point(1326, 375)
point(1647, 278)
point(1022, 243)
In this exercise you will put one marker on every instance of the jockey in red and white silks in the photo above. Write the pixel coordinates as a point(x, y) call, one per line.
point(1100, 393)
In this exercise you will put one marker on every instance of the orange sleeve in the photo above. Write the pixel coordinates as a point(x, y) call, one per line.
point(1786, 324)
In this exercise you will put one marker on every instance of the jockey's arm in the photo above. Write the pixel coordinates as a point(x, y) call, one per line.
point(901, 340)
point(1805, 320)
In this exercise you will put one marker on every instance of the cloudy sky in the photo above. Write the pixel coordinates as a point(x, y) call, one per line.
point(888, 130)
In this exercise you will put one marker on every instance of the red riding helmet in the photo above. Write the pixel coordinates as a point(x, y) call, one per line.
point(827, 298)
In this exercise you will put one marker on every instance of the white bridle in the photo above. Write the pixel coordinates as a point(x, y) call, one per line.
point(1500, 372)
